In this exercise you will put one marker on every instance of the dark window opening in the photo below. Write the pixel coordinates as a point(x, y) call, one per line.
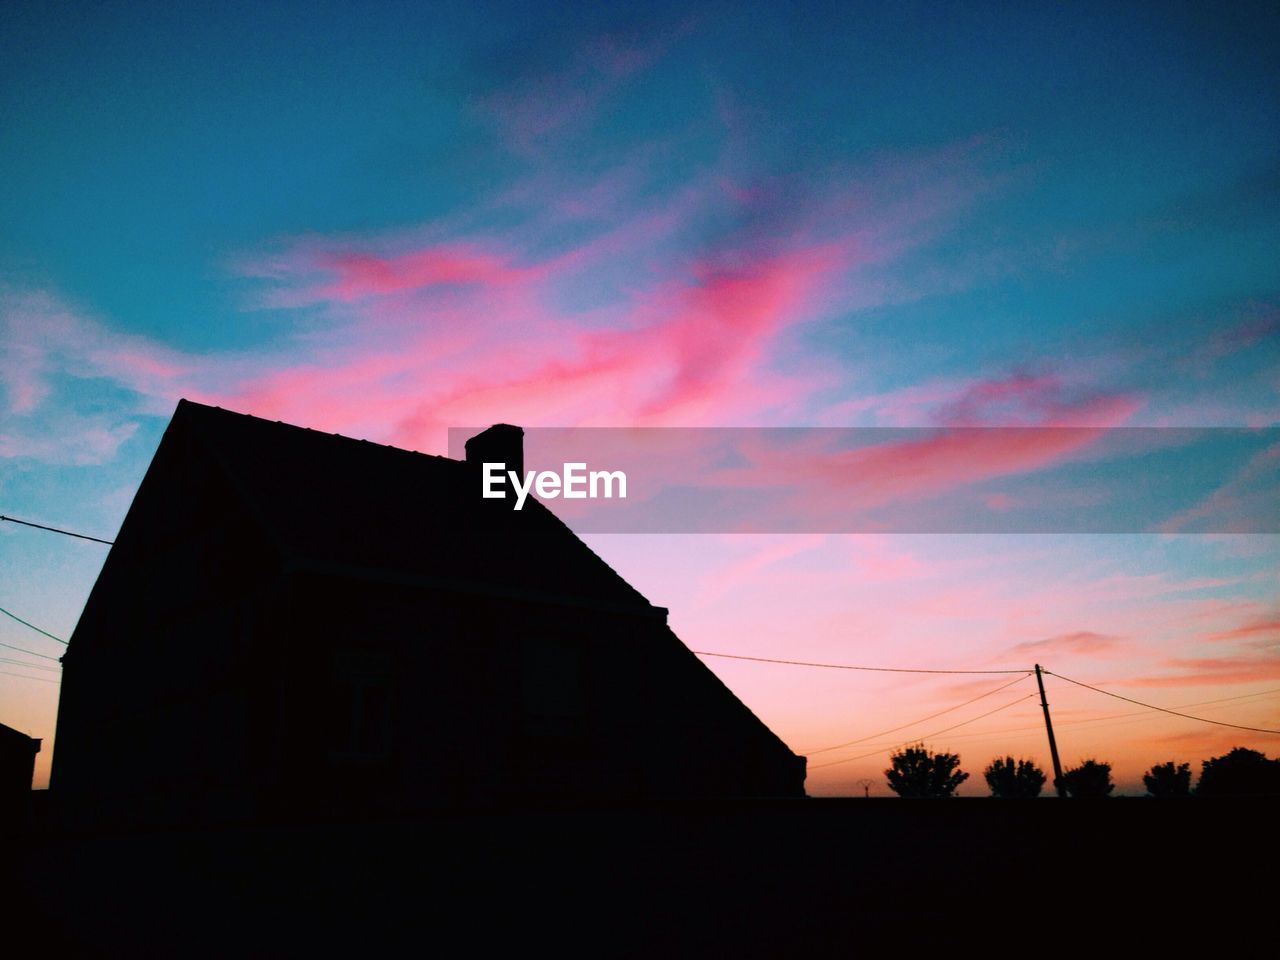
point(552, 686)
point(360, 707)
point(362, 720)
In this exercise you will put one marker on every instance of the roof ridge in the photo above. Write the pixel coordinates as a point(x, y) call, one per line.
point(213, 408)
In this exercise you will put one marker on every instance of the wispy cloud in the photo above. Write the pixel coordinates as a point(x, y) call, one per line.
point(1248, 494)
point(1199, 671)
point(1261, 629)
point(1078, 643)
point(555, 84)
point(51, 355)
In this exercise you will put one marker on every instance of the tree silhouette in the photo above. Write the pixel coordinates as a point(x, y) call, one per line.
point(1089, 780)
point(1166, 780)
point(1022, 780)
point(1240, 773)
point(916, 772)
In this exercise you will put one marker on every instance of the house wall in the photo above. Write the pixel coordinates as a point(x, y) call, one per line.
point(492, 700)
point(161, 686)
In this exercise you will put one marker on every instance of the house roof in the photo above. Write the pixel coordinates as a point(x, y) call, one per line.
point(354, 507)
point(17, 739)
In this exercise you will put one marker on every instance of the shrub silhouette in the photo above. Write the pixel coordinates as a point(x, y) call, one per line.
point(1022, 780)
point(1167, 780)
point(1240, 773)
point(1089, 780)
point(916, 772)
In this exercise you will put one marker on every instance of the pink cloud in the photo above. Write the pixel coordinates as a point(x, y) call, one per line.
point(1016, 398)
point(692, 346)
point(833, 482)
point(1228, 341)
point(362, 274)
point(1260, 628)
point(1197, 671)
point(1079, 643)
point(1004, 400)
point(749, 569)
point(445, 325)
point(459, 322)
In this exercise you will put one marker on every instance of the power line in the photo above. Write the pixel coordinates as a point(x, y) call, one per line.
point(1151, 706)
point(876, 753)
point(1145, 714)
point(980, 716)
point(65, 533)
point(25, 677)
point(877, 736)
point(32, 652)
point(27, 663)
point(845, 666)
point(1039, 728)
point(14, 616)
point(1115, 719)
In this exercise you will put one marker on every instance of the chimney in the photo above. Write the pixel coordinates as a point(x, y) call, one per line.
point(501, 443)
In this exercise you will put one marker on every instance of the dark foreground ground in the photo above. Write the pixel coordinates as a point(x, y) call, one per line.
point(783, 878)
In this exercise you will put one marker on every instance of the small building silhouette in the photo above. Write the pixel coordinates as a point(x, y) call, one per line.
point(292, 620)
point(17, 765)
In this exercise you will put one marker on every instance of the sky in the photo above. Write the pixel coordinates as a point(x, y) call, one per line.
point(392, 219)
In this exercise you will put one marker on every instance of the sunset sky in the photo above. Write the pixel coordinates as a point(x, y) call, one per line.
point(387, 220)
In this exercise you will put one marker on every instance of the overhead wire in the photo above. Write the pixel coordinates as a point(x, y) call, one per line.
point(28, 663)
point(1023, 673)
point(877, 736)
point(1121, 718)
point(14, 616)
point(1116, 719)
point(33, 653)
point(29, 624)
point(65, 533)
point(1151, 706)
point(927, 736)
point(25, 677)
point(845, 666)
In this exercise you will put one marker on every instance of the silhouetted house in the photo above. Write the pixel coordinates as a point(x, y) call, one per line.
point(17, 765)
point(295, 620)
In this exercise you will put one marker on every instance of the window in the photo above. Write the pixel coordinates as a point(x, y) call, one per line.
point(360, 707)
point(552, 685)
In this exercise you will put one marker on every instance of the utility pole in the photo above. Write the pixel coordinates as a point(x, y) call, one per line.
point(1053, 744)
